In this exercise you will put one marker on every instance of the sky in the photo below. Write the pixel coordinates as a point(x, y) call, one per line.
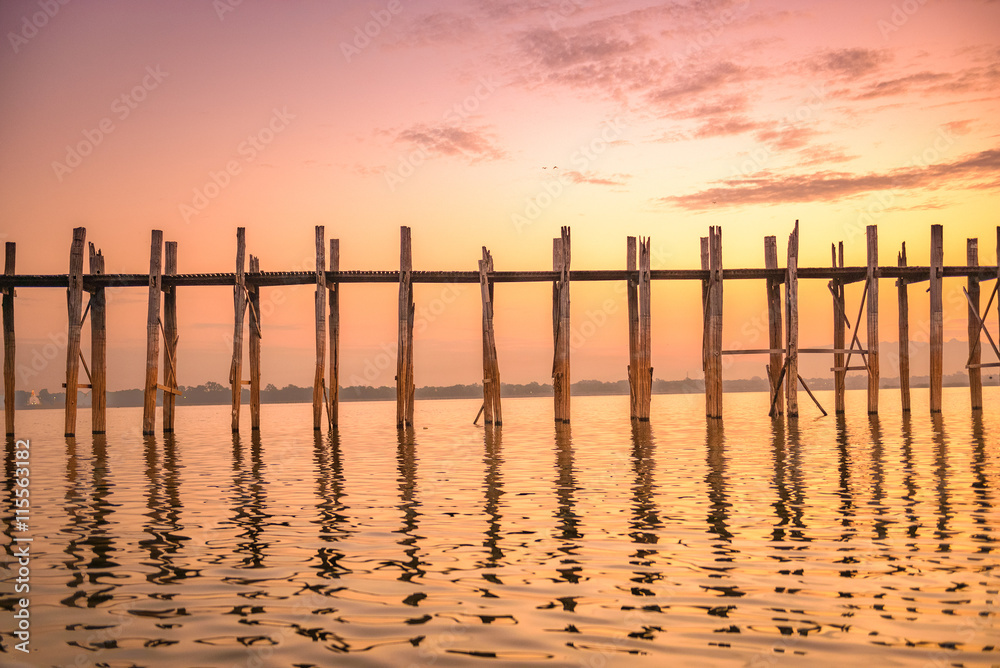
point(490, 123)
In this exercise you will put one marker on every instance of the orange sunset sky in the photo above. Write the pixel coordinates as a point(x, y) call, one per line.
point(489, 122)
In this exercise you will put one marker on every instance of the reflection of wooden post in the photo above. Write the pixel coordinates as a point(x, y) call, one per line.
point(839, 332)
point(975, 349)
point(10, 254)
point(561, 259)
point(98, 347)
point(152, 333)
point(404, 356)
point(872, 275)
point(937, 316)
point(169, 338)
point(713, 359)
point(239, 308)
point(318, 381)
point(904, 335)
point(333, 412)
point(644, 372)
point(491, 367)
point(253, 293)
point(774, 323)
point(632, 299)
point(74, 300)
point(792, 327)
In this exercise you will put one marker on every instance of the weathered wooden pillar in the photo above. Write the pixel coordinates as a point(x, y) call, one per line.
point(404, 356)
point(632, 301)
point(239, 308)
point(152, 333)
point(792, 326)
point(937, 316)
point(713, 335)
point(98, 347)
point(253, 297)
point(318, 380)
point(74, 301)
point(904, 335)
point(333, 410)
point(705, 266)
point(561, 259)
point(975, 349)
point(645, 370)
point(872, 329)
point(492, 413)
point(9, 347)
point(839, 332)
point(170, 337)
point(775, 342)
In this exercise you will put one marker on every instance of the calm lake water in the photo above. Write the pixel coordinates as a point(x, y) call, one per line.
point(829, 541)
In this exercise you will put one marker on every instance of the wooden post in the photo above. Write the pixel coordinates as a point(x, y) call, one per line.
point(152, 334)
point(904, 335)
point(792, 326)
point(704, 309)
point(975, 349)
point(839, 332)
point(253, 294)
point(561, 258)
point(632, 300)
point(644, 372)
point(872, 275)
point(404, 356)
point(74, 301)
point(9, 390)
point(239, 308)
point(774, 322)
point(319, 380)
point(713, 359)
point(491, 368)
point(937, 315)
point(169, 338)
point(98, 347)
point(333, 410)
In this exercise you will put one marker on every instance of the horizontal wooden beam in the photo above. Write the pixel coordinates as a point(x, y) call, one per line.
point(849, 368)
point(833, 351)
point(977, 366)
point(272, 278)
point(168, 390)
point(759, 351)
point(81, 386)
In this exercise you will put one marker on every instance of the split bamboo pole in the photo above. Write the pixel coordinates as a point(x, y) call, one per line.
point(152, 333)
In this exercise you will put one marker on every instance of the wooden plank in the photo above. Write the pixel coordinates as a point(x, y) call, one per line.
point(645, 368)
point(937, 317)
point(632, 301)
point(834, 351)
point(169, 390)
point(872, 329)
point(169, 338)
point(333, 411)
point(849, 368)
point(152, 333)
point(777, 351)
point(404, 356)
point(840, 323)
point(319, 379)
point(975, 349)
point(792, 323)
point(98, 347)
point(253, 297)
point(987, 365)
point(74, 302)
point(904, 335)
point(755, 351)
point(239, 308)
point(9, 341)
point(561, 260)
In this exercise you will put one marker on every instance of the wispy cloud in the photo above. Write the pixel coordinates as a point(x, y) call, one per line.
point(474, 143)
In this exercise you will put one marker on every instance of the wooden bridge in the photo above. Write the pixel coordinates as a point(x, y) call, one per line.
point(163, 280)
